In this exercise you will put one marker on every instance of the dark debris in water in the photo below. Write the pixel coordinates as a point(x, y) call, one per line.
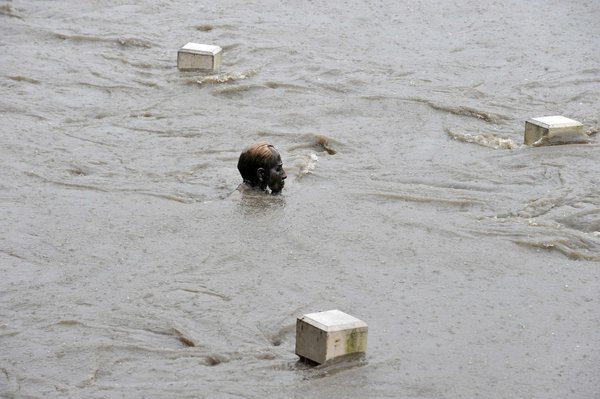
point(461, 110)
point(214, 360)
point(285, 86)
point(187, 341)
point(316, 142)
point(325, 144)
point(69, 323)
point(205, 28)
point(24, 79)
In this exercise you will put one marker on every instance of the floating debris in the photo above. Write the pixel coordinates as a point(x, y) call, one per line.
point(205, 28)
point(183, 339)
point(325, 144)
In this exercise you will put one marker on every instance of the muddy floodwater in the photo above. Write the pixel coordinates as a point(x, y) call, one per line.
point(130, 267)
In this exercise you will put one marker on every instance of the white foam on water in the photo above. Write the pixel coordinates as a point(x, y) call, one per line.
point(486, 140)
point(225, 77)
point(307, 164)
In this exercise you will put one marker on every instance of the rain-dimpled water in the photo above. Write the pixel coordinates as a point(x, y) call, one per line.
point(132, 267)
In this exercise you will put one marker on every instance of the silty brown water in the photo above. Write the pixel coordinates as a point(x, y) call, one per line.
point(131, 268)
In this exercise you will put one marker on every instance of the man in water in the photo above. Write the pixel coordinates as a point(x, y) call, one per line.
point(261, 167)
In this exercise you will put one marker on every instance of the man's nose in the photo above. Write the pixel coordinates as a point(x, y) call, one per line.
point(284, 175)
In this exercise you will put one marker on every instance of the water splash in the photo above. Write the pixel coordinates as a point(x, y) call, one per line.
point(307, 164)
point(225, 77)
point(485, 140)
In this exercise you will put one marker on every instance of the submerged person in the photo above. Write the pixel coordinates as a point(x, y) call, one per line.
point(261, 168)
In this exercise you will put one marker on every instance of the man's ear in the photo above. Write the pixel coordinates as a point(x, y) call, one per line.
point(260, 174)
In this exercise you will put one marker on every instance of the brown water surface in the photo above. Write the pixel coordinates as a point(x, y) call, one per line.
point(129, 269)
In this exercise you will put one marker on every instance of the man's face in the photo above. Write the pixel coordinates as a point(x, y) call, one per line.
point(276, 177)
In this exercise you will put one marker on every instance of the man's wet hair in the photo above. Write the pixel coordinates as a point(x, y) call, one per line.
point(256, 156)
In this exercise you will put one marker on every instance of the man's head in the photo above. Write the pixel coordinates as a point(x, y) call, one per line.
point(261, 167)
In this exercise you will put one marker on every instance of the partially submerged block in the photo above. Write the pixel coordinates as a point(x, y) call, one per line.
point(325, 335)
point(194, 56)
point(550, 130)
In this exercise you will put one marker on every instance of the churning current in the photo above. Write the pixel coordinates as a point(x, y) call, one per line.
point(131, 267)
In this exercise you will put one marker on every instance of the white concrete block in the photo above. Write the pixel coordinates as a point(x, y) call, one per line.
point(550, 130)
point(325, 335)
point(194, 56)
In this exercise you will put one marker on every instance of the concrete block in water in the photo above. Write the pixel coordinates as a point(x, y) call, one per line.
point(194, 56)
point(325, 335)
point(550, 130)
